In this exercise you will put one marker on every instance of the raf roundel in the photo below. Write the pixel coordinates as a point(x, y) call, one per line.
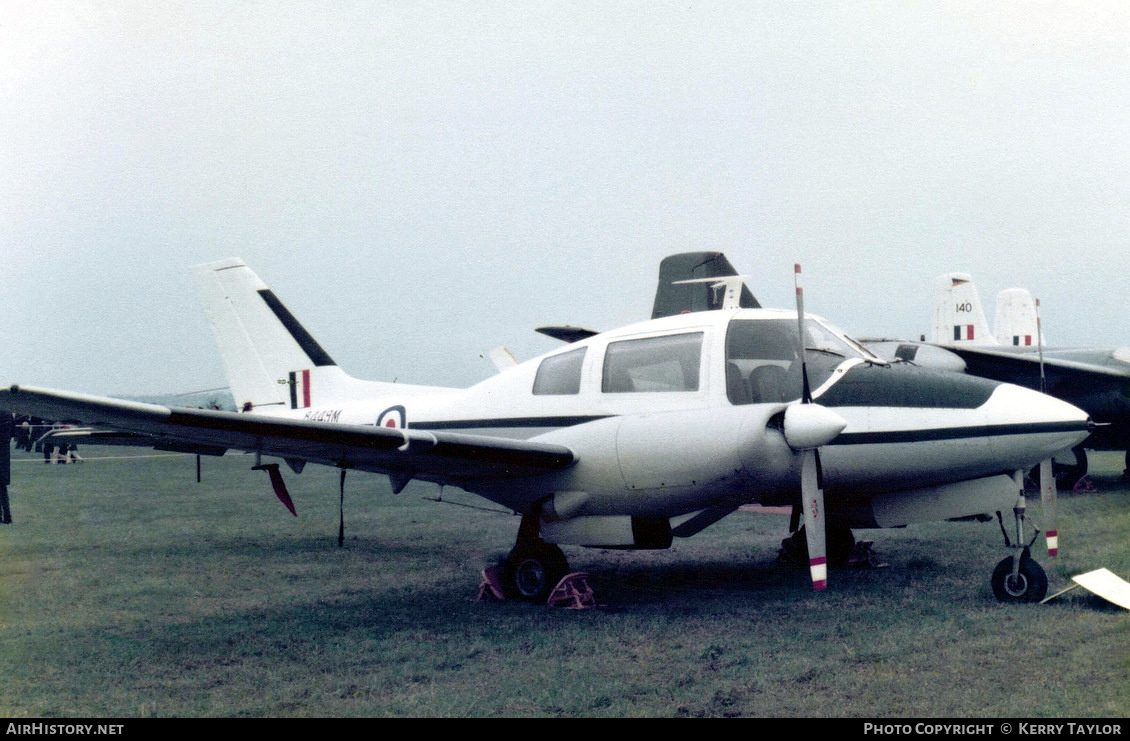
point(392, 417)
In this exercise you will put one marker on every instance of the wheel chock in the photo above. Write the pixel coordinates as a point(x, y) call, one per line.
point(491, 588)
point(863, 556)
point(572, 592)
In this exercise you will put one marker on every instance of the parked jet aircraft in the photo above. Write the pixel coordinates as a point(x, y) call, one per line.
point(1095, 379)
point(628, 438)
point(959, 319)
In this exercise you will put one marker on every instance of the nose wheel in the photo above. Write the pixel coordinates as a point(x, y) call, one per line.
point(1025, 581)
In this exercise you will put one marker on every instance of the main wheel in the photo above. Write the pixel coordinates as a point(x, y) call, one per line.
point(1029, 585)
point(532, 570)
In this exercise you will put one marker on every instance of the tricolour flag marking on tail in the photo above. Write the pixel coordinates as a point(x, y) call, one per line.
point(299, 389)
point(963, 332)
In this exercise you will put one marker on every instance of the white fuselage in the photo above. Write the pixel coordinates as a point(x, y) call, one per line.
point(664, 421)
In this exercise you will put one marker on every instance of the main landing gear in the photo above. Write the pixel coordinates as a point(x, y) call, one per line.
point(533, 567)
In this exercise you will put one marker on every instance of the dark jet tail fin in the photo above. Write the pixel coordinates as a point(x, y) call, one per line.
point(671, 299)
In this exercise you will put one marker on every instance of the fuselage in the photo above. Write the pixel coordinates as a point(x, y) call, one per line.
point(674, 414)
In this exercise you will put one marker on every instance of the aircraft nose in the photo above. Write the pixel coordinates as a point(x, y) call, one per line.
point(1029, 426)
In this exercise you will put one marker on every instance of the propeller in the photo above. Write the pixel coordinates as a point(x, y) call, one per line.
point(1047, 481)
point(1047, 498)
point(808, 427)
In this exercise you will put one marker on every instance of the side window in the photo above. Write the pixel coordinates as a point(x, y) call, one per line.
point(560, 374)
point(759, 356)
point(668, 363)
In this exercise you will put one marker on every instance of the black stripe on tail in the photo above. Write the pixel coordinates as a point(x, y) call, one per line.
point(309, 345)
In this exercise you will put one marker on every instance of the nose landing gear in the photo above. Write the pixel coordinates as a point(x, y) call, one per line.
point(1019, 578)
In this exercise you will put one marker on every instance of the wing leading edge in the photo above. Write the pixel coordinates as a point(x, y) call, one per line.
point(440, 457)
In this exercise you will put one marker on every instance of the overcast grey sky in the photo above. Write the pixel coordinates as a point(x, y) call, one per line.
point(423, 181)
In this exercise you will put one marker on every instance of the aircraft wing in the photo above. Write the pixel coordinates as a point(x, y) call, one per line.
point(1026, 364)
point(440, 457)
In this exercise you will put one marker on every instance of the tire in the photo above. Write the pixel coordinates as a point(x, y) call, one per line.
point(531, 571)
point(1029, 585)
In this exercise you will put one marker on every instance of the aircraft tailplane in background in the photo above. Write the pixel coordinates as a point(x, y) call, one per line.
point(1016, 320)
point(959, 318)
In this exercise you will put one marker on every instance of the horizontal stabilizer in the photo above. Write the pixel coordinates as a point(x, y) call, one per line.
point(567, 334)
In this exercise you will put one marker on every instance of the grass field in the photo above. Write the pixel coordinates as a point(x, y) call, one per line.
point(127, 589)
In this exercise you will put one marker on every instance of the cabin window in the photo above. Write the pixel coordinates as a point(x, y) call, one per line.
point(668, 363)
point(762, 358)
point(759, 354)
point(560, 374)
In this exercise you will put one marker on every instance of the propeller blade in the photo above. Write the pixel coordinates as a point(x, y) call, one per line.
point(1047, 501)
point(806, 394)
point(809, 427)
point(812, 504)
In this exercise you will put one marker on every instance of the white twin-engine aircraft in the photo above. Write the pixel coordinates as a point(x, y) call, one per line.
point(629, 438)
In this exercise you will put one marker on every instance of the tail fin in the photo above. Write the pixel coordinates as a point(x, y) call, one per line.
point(270, 359)
point(676, 296)
point(1015, 321)
point(958, 316)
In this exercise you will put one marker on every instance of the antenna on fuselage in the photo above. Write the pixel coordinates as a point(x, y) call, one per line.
point(1040, 348)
